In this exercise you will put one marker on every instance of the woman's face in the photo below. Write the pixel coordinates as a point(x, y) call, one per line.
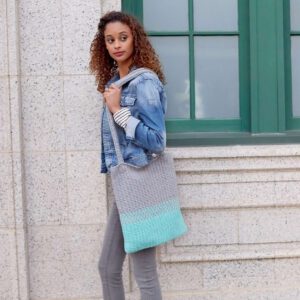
point(119, 43)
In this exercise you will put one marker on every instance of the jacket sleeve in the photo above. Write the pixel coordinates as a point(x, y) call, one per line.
point(147, 130)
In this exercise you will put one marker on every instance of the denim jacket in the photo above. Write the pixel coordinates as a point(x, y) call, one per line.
point(145, 133)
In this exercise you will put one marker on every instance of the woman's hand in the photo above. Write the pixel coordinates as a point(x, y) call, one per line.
point(112, 96)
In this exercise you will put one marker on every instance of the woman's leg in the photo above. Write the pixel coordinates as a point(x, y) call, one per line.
point(112, 258)
point(145, 272)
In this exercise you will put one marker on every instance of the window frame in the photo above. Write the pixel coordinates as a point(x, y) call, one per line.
point(266, 76)
point(213, 125)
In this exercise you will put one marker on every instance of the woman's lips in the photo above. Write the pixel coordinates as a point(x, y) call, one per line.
point(119, 53)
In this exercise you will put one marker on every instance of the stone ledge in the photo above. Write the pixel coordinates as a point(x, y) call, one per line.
point(235, 151)
point(287, 293)
point(177, 254)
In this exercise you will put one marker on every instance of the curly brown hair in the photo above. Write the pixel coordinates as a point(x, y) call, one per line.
point(144, 55)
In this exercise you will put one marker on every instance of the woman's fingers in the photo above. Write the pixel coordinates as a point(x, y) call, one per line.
point(114, 88)
point(112, 97)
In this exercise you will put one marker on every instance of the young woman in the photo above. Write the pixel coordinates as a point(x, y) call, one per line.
point(120, 46)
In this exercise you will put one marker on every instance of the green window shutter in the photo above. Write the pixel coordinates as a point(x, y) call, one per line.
point(293, 123)
point(267, 66)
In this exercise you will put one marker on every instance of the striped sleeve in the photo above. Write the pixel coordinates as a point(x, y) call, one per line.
point(122, 116)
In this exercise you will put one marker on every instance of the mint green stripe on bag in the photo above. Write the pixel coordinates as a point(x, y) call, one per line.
point(155, 230)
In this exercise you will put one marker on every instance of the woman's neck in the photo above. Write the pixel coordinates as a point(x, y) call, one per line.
point(124, 69)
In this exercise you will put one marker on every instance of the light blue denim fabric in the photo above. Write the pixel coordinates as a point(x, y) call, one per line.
point(145, 133)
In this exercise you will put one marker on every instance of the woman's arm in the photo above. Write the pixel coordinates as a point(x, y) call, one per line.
point(148, 129)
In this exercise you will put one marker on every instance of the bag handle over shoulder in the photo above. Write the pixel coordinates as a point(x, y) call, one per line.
point(133, 74)
point(111, 122)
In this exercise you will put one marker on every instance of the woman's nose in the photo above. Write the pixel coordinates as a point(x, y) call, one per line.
point(117, 45)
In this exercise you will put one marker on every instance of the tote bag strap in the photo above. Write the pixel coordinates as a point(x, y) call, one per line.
point(111, 122)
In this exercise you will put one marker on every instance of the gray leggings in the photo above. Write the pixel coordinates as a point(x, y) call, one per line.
point(112, 259)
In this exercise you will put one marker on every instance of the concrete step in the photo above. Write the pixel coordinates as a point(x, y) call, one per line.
point(272, 293)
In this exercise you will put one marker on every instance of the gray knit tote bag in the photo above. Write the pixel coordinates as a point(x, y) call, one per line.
point(146, 197)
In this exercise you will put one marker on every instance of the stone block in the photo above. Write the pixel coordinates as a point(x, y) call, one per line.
point(64, 261)
point(40, 37)
point(236, 151)
point(287, 271)
point(8, 265)
point(108, 5)
point(226, 195)
point(43, 113)
point(252, 274)
point(180, 277)
point(86, 189)
point(209, 228)
point(269, 225)
point(79, 23)
point(45, 185)
point(272, 294)
point(287, 193)
point(65, 242)
point(49, 243)
point(82, 105)
point(239, 176)
point(231, 163)
point(48, 279)
point(176, 279)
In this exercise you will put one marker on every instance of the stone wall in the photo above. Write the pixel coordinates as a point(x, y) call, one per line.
point(53, 207)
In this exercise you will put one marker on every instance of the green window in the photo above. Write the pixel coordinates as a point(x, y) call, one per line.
point(232, 68)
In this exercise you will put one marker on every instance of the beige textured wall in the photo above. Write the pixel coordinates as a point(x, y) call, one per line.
point(13, 263)
point(241, 202)
point(53, 199)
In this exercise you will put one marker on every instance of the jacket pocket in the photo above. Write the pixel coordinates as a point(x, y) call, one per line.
point(127, 100)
